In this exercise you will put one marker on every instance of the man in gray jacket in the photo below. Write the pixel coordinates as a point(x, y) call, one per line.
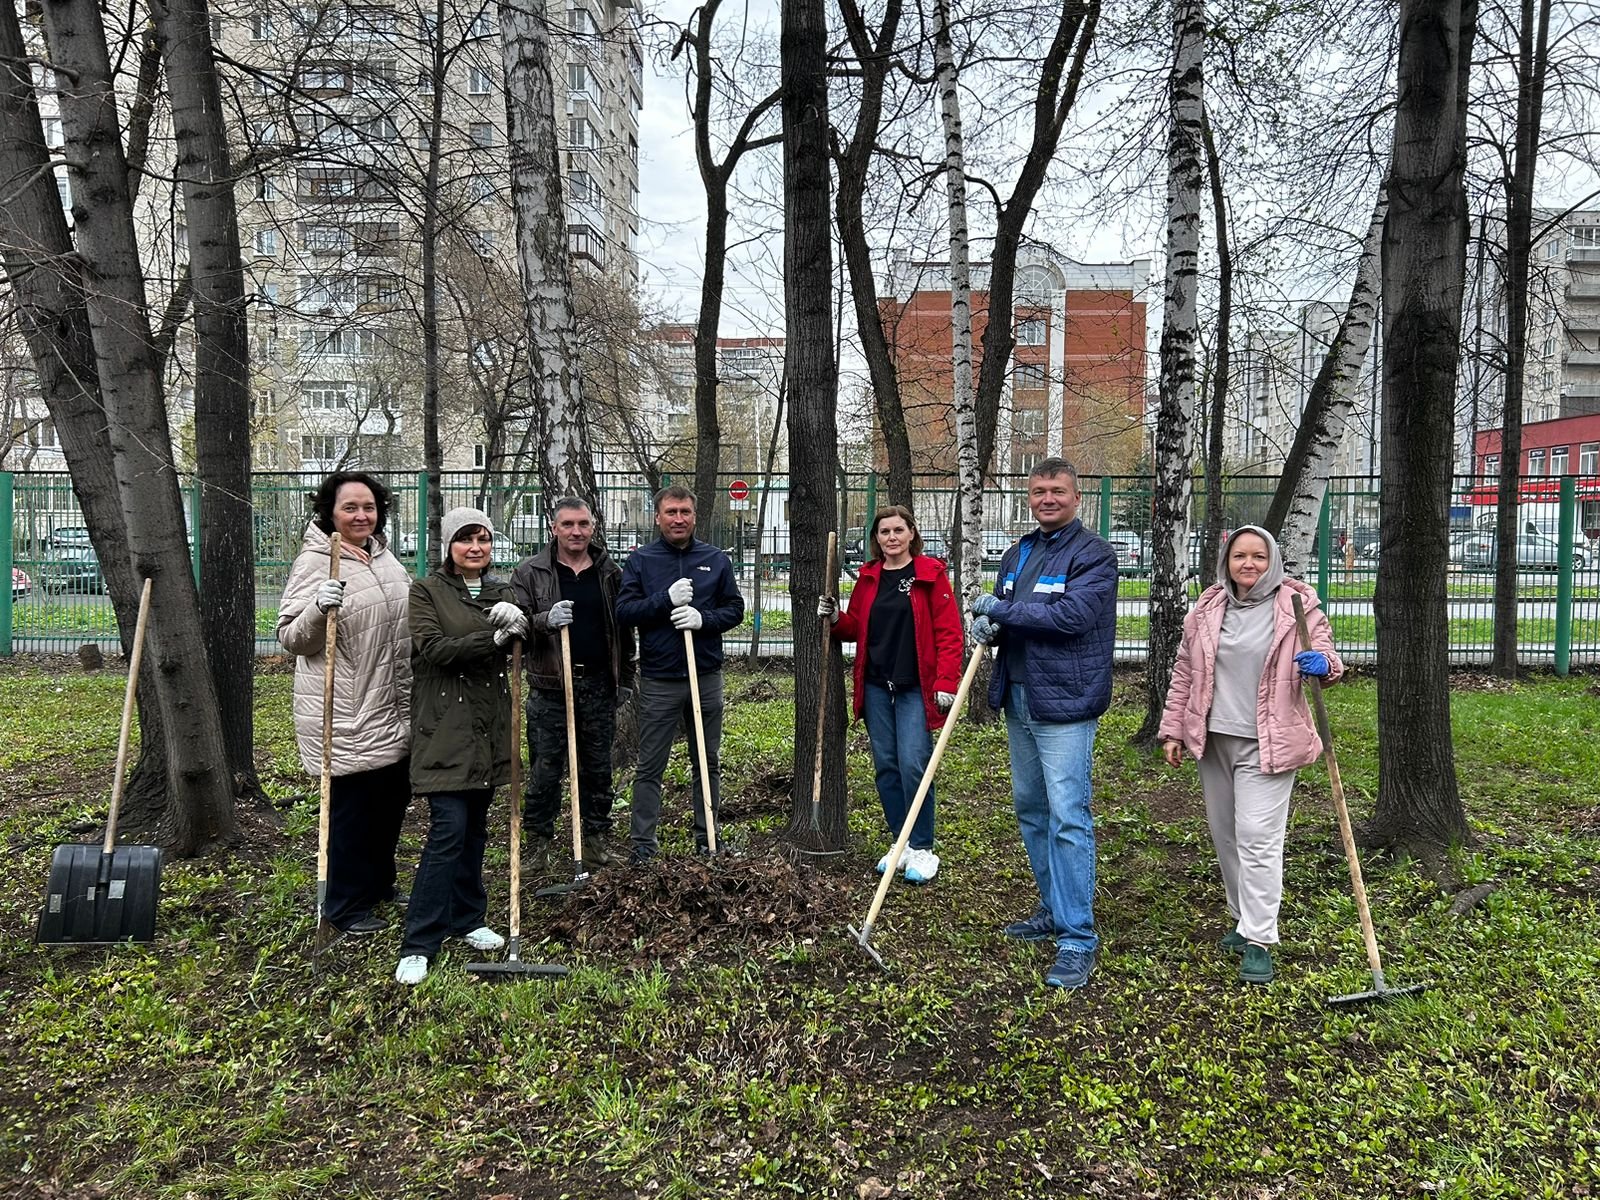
point(572, 583)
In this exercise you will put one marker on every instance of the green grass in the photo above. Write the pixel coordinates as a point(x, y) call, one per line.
point(215, 1064)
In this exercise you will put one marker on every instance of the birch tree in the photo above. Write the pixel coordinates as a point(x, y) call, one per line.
point(1424, 263)
point(969, 517)
point(1220, 366)
point(566, 465)
point(1297, 501)
point(130, 382)
point(1185, 178)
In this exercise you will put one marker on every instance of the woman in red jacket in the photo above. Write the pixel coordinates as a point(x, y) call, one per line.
point(904, 619)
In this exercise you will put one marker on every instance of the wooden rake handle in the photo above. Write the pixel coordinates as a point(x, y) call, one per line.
point(572, 743)
point(922, 789)
point(516, 790)
point(1336, 784)
point(128, 695)
point(329, 648)
point(700, 742)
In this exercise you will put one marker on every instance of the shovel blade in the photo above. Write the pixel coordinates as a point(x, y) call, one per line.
point(94, 898)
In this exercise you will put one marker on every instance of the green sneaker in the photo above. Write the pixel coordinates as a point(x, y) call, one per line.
point(1256, 966)
point(1233, 942)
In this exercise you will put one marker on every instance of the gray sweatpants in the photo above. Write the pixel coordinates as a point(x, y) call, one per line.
point(1248, 813)
point(664, 705)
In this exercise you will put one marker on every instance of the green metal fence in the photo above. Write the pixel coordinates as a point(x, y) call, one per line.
point(57, 602)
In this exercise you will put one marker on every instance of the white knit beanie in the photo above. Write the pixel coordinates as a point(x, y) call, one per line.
point(455, 521)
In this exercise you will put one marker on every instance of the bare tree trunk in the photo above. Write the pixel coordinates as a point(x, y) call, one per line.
point(1060, 76)
point(225, 523)
point(1297, 503)
point(432, 447)
point(1168, 593)
point(715, 176)
point(813, 394)
point(1532, 60)
point(201, 808)
point(35, 248)
point(566, 466)
point(1424, 265)
point(1212, 537)
point(969, 517)
point(873, 56)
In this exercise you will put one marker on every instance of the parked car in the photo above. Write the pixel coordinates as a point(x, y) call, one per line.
point(1534, 550)
point(21, 585)
point(71, 569)
point(1132, 557)
point(853, 546)
point(69, 535)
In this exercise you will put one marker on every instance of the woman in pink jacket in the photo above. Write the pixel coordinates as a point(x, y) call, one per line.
point(1237, 703)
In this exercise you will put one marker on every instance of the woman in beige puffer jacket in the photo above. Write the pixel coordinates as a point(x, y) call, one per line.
point(371, 690)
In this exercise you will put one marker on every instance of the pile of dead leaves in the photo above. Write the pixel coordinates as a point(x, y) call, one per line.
point(675, 907)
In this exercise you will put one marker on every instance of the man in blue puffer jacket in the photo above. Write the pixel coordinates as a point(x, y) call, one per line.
point(676, 583)
point(1054, 617)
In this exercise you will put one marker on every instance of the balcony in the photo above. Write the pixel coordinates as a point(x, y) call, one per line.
point(1583, 254)
point(1583, 358)
point(1584, 288)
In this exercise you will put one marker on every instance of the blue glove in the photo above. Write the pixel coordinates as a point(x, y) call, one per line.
point(984, 603)
point(985, 632)
point(1312, 662)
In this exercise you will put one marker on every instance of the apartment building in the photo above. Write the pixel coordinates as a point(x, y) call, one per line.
point(1272, 373)
point(1076, 384)
point(356, 125)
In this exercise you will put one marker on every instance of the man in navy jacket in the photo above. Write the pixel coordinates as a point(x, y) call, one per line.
point(1053, 615)
point(674, 584)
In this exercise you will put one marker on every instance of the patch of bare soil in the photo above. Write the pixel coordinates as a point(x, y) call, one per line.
point(671, 908)
point(1172, 802)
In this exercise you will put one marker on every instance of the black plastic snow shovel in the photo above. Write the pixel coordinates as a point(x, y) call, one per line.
point(1380, 989)
point(514, 967)
point(104, 894)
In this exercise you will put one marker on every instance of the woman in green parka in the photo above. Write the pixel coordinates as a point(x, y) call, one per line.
point(462, 621)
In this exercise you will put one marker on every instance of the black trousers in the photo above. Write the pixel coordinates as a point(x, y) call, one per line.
point(448, 897)
point(594, 702)
point(365, 812)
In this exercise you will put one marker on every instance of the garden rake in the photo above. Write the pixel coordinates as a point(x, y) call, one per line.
point(580, 875)
point(514, 967)
point(1380, 989)
point(863, 936)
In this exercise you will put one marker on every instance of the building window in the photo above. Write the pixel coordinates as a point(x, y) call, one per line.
point(483, 25)
point(581, 134)
point(425, 83)
point(267, 293)
point(1491, 468)
point(324, 239)
point(1558, 460)
point(480, 456)
point(478, 82)
point(327, 185)
point(379, 290)
point(327, 293)
point(324, 78)
point(371, 24)
point(264, 404)
point(1030, 376)
point(1031, 332)
point(1549, 379)
point(266, 188)
point(578, 77)
point(1589, 458)
point(580, 21)
point(261, 27)
point(1536, 462)
point(264, 133)
point(53, 138)
point(383, 130)
point(1585, 237)
point(377, 239)
point(216, 29)
point(479, 188)
point(266, 241)
point(322, 448)
point(1028, 423)
point(481, 133)
point(481, 241)
point(64, 189)
point(581, 186)
point(1552, 248)
point(324, 397)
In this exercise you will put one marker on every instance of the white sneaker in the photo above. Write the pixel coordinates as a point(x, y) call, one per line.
point(883, 863)
point(484, 938)
point(921, 865)
point(413, 969)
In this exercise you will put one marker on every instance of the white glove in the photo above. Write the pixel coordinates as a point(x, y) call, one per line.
point(330, 594)
point(684, 617)
point(828, 606)
point(944, 700)
point(560, 614)
point(681, 592)
point(505, 614)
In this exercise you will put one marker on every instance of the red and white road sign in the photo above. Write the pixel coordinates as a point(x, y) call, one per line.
point(738, 490)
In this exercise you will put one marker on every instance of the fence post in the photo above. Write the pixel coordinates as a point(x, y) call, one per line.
point(872, 499)
point(1566, 530)
point(1105, 505)
point(422, 524)
point(1324, 538)
point(194, 528)
point(7, 541)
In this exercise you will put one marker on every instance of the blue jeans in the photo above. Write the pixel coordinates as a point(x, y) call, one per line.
point(897, 724)
point(1050, 767)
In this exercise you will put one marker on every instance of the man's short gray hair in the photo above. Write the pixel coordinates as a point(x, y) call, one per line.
point(567, 502)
